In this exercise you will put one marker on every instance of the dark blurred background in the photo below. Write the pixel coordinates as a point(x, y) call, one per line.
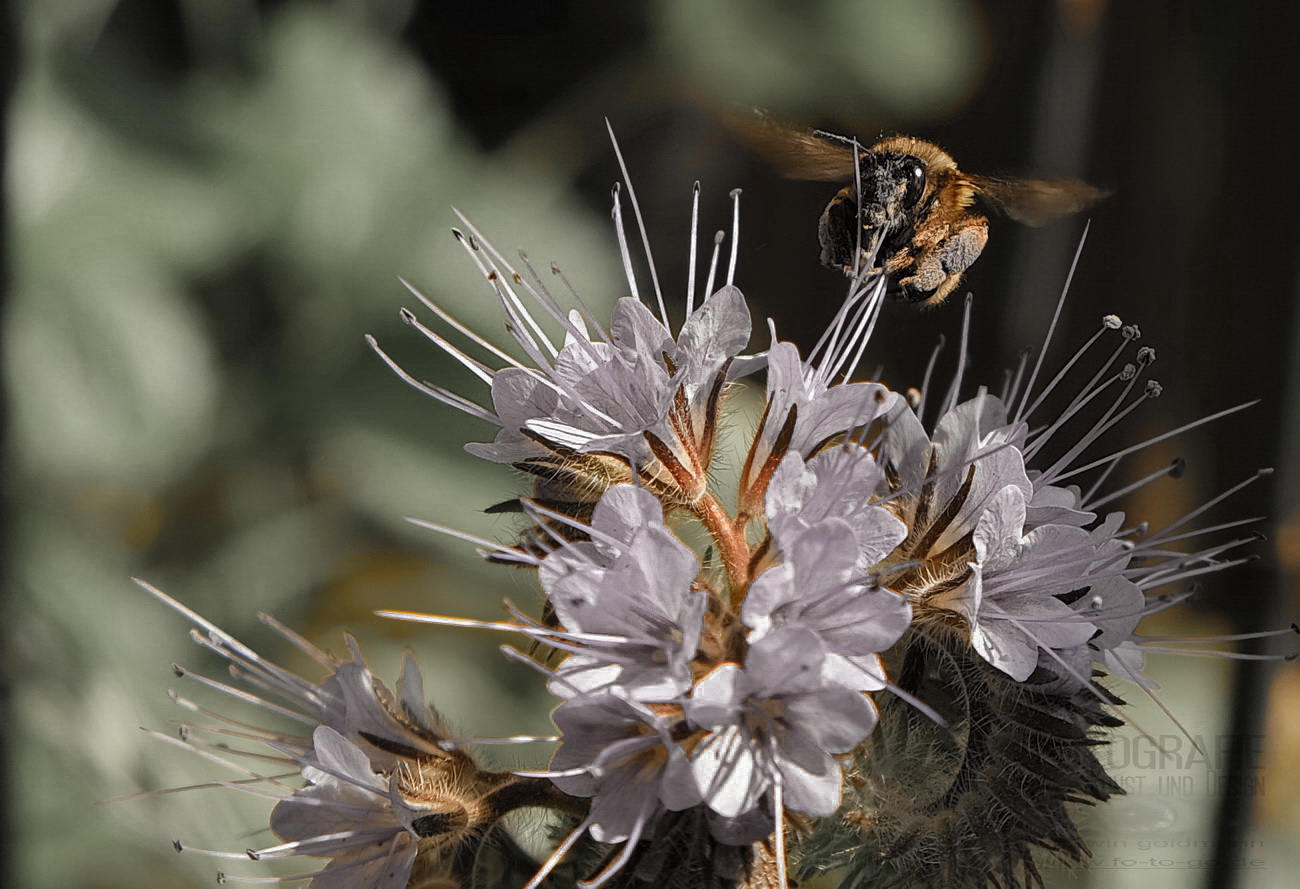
point(207, 205)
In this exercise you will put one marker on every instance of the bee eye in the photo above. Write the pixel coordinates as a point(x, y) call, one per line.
point(915, 185)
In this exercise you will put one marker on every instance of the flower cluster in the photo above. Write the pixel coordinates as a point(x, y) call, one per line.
point(887, 657)
point(385, 793)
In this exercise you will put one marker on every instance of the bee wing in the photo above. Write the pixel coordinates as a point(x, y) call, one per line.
point(1037, 201)
point(796, 153)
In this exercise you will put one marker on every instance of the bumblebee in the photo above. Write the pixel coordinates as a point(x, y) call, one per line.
point(907, 211)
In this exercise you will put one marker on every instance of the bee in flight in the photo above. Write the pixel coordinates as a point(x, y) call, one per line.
point(907, 211)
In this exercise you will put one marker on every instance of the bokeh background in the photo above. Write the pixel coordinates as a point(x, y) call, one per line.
point(207, 205)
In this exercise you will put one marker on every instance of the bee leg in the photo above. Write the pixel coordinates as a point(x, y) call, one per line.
point(938, 268)
point(964, 245)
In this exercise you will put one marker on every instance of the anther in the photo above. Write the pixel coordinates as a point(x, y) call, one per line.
point(1128, 373)
point(176, 844)
point(1131, 332)
point(178, 671)
point(1111, 322)
point(1177, 467)
point(1153, 389)
point(1146, 355)
point(407, 316)
point(252, 855)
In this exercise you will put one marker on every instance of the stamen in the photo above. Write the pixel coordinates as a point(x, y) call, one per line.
point(1173, 470)
point(954, 391)
point(452, 743)
point(498, 548)
point(1051, 328)
point(695, 236)
point(1224, 655)
point(447, 318)
point(1292, 630)
point(1162, 534)
point(640, 223)
point(916, 702)
point(522, 325)
point(1013, 391)
point(713, 263)
point(857, 197)
point(925, 380)
point(778, 807)
point(735, 235)
point(624, 251)
point(1164, 709)
point(240, 694)
point(871, 312)
point(543, 632)
point(1078, 355)
point(297, 641)
point(535, 509)
point(473, 365)
point(207, 785)
point(1107, 421)
point(560, 851)
point(553, 773)
point(1097, 485)
point(588, 316)
point(1159, 580)
point(447, 397)
point(1210, 529)
point(1155, 440)
point(223, 878)
point(624, 854)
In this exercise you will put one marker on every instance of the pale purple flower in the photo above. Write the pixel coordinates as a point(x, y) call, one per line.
point(349, 700)
point(368, 760)
point(621, 755)
point(1011, 546)
point(632, 582)
point(805, 412)
point(945, 482)
point(637, 392)
point(840, 484)
point(349, 814)
point(1011, 599)
point(605, 396)
point(819, 586)
point(775, 721)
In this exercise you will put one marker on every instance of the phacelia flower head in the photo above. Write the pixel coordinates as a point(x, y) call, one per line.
point(888, 654)
point(384, 793)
